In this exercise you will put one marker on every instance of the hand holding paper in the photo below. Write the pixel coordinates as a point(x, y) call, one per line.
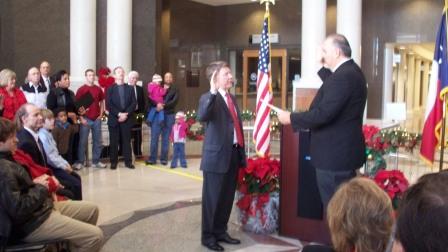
point(283, 116)
point(276, 109)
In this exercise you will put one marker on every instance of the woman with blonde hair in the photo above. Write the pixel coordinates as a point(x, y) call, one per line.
point(360, 218)
point(11, 97)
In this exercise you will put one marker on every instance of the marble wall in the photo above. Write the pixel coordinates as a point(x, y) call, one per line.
point(32, 31)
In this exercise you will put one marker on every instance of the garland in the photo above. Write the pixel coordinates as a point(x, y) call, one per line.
point(381, 142)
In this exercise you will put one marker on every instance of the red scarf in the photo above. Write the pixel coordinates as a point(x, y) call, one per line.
point(34, 169)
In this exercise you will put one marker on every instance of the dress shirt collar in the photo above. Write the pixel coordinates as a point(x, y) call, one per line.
point(34, 134)
point(223, 93)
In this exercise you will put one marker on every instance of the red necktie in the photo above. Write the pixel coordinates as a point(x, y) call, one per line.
point(236, 122)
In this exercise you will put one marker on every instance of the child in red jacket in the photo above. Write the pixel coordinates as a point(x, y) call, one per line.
point(177, 137)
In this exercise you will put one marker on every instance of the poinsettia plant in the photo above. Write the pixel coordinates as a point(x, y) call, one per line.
point(195, 130)
point(258, 187)
point(261, 175)
point(394, 183)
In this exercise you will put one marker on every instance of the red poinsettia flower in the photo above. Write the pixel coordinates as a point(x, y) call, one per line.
point(259, 176)
point(393, 182)
point(262, 169)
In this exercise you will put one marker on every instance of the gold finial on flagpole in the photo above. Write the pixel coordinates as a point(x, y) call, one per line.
point(267, 2)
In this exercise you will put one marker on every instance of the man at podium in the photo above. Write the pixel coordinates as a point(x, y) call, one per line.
point(335, 118)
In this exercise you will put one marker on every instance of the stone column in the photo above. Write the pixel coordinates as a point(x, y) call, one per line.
point(119, 34)
point(313, 34)
point(349, 18)
point(82, 40)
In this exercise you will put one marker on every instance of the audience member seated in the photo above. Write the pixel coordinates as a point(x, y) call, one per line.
point(28, 121)
point(11, 96)
point(56, 190)
point(61, 168)
point(422, 223)
point(25, 204)
point(360, 218)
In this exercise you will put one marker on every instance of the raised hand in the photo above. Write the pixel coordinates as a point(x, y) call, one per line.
point(213, 86)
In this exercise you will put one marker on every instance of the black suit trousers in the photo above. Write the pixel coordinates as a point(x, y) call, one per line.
point(121, 131)
point(329, 181)
point(217, 200)
point(136, 136)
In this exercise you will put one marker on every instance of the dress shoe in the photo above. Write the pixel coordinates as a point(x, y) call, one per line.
point(130, 166)
point(228, 239)
point(113, 166)
point(163, 162)
point(213, 246)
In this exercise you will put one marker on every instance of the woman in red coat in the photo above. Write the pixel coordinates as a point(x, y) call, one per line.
point(11, 97)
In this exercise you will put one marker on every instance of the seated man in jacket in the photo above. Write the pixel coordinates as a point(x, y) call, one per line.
point(32, 213)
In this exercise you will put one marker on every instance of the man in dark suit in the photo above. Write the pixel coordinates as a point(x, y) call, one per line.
point(45, 78)
point(223, 154)
point(139, 109)
point(121, 101)
point(29, 120)
point(335, 118)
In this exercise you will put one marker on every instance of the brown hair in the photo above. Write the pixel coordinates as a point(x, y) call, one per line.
point(7, 129)
point(360, 217)
point(46, 114)
point(6, 75)
point(88, 70)
point(215, 66)
point(422, 221)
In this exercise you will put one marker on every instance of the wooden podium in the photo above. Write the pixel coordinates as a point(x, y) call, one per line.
point(296, 168)
point(291, 224)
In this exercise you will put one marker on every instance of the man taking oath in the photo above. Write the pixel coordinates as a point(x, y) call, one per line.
point(222, 155)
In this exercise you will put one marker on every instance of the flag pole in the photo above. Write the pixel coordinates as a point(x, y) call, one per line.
point(442, 140)
point(267, 2)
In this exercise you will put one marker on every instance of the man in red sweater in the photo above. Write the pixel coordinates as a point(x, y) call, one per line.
point(92, 120)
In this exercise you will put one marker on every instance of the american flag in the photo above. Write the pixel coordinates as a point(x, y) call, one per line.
point(438, 87)
point(262, 133)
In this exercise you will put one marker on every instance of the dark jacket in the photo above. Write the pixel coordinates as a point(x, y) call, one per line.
point(28, 145)
point(5, 228)
point(61, 98)
point(171, 98)
point(335, 119)
point(113, 101)
point(219, 130)
point(140, 108)
point(52, 81)
point(26, 204)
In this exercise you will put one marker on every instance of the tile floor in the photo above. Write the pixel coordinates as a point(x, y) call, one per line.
point(154, 208)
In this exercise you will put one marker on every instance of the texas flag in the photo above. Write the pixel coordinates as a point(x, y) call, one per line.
point(438, 87)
